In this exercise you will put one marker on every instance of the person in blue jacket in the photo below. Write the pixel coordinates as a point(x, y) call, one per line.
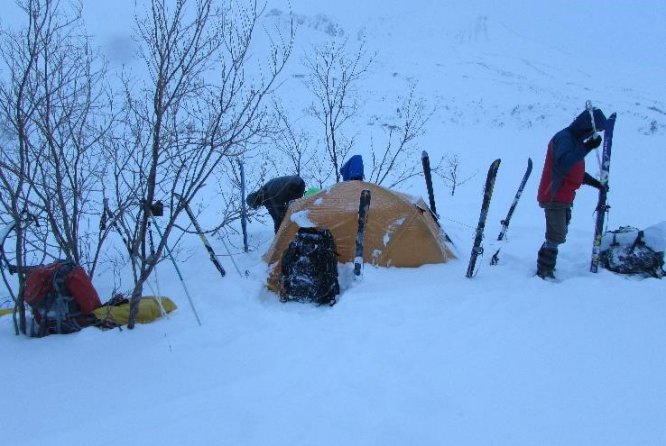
point(353, 169)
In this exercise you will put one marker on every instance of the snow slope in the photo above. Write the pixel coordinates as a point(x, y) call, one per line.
point(408, 356)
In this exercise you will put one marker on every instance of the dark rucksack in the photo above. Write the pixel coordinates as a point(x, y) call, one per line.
point(625, 251)
point(62, 298)
point(309, 268)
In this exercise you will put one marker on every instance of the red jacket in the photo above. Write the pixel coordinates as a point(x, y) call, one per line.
point(564, 167)
point(557, 185)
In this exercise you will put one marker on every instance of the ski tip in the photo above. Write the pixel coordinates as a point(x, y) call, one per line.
point(424, 154)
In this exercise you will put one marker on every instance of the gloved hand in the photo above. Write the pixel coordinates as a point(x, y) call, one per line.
point(592, 142)
point(599, 185)
point(590, 180)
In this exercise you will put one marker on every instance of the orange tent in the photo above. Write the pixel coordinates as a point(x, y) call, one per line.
point(400, 231)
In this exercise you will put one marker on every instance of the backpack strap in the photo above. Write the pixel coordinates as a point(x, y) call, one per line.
point(657, 268)
point(615, 242)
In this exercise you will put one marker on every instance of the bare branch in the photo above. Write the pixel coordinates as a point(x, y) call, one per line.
point(398, 161)
point(333, 75)
point(200, 108)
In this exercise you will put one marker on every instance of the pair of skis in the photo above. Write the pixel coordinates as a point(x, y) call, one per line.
point(505, 223)
point(477, 247)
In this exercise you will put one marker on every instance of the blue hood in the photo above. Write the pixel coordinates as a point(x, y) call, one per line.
point(582, 125)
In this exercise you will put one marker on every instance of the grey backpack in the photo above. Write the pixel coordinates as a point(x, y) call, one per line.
point(627, 251)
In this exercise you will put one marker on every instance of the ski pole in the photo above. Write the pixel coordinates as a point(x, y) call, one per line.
point(202, 236)
point(158, 295)
point(231, 256)
point(180, 276)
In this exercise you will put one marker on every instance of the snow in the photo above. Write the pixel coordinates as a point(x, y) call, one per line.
point(418, 356)
point(655, 237)
point(391, 229)
point(302, 219)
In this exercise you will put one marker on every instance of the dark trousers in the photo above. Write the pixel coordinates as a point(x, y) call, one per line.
point(557, 224)
point(558, 216)
point(277, 212)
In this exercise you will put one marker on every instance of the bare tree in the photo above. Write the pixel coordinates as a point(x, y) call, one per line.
point(54, 109)
point(293, 143)
point(16, 160)
point(451, 173)
point(320, 171)
point(183, 123)
point(398, 161)
point(448, 169)
point(333, 75)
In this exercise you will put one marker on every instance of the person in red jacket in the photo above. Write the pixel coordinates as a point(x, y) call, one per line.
point(563, 173)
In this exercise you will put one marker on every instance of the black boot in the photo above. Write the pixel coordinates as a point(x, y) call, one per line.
point(546, 261)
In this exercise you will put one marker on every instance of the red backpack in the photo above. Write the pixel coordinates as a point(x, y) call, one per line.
point(61, 296)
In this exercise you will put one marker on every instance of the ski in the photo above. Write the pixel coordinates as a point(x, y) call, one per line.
point(202, 236)
point(243, 208)
point(602, 206)
point(505, 223)
point(477, 248)
point(363, 206)
point(425, 161)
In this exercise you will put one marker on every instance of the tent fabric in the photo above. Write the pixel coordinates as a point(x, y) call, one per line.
point(149, 310)
point(400, 231)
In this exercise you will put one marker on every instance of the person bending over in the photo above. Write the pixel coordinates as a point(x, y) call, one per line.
point(276, 195)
